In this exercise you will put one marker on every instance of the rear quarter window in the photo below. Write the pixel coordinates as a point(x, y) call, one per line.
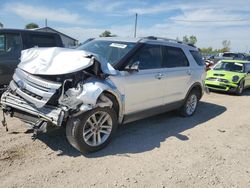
point(197, 57)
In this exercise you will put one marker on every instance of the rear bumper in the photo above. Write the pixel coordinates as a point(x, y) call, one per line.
point(12, 104)
point(221, 86)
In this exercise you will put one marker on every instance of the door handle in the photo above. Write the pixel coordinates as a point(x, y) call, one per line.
point(159, 76)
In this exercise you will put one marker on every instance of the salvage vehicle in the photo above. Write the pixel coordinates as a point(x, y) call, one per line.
point(13, 41)
point(103, 83)
point(230, 76)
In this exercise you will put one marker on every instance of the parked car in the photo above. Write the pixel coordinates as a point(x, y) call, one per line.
point(247, 57)
point(105, 82)
point(227, 56)
point(13, 41)
point(230, 76)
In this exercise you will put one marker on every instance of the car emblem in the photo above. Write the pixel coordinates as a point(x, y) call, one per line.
point(21, 84)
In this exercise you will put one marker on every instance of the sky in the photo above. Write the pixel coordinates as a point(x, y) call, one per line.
point(210, 21)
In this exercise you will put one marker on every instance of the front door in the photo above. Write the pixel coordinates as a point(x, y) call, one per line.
point(143, 89)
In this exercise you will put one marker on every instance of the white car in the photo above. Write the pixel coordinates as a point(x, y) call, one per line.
point(103, 83)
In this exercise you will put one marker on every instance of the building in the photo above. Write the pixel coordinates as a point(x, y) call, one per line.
point(67, 40)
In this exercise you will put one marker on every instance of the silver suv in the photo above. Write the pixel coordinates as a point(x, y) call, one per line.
point(103, 83)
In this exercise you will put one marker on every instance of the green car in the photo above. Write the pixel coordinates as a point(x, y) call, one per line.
point(230, 76)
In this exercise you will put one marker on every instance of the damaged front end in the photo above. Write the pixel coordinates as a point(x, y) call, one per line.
point(43, 95)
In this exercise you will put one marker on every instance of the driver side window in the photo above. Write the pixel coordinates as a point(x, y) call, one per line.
point(148, 57)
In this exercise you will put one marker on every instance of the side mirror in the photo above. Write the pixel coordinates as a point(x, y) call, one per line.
point(133, 67)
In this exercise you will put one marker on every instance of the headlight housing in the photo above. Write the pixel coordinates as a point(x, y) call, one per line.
point(235, 78)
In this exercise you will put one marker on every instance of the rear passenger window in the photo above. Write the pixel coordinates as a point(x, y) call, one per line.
point(42, 40)
point(149, 57)
point(10, 44)
point(174, 57)
point(197, 57)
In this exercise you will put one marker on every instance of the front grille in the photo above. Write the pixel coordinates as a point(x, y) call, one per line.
point(218, 79)
point(32, 94)
point(215, 86)
point(212, 79)
point(33, 88)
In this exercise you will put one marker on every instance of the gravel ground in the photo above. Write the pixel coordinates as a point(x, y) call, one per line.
point(210, 149)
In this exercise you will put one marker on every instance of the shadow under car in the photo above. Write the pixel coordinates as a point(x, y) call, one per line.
point(139, 136)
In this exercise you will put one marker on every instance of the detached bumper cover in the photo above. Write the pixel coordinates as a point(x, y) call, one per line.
point(51, 114)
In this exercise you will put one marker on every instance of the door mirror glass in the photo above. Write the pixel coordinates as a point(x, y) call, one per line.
point(133, 67)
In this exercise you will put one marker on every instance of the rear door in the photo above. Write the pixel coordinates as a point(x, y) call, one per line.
point(10, 52)
point(178, 74)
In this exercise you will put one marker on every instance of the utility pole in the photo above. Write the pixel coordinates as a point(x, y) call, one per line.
point(135, 24)
point(46, 24)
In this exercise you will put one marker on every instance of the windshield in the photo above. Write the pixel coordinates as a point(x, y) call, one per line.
point(229, 55)
point(112, 51)
point(229, 66)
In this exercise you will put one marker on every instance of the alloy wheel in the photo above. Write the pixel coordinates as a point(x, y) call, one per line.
point(97, 128)
point(191, 104)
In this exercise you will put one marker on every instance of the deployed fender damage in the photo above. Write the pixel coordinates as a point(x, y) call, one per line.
point(53, 84)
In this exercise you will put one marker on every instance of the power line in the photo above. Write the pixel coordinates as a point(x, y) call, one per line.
point(238, 20)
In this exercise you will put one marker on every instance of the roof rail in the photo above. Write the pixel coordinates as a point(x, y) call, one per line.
point(168, 40)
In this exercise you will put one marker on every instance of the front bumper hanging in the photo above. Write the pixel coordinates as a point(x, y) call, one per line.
point(12, 104)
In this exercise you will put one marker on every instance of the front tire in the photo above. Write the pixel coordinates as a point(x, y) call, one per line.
point(190, 104)
point(93, 130)
point(240, 88)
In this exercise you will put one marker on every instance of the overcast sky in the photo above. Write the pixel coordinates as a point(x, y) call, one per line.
point(210, 21)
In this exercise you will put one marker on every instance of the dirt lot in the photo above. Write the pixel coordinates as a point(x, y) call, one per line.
point(210, 149)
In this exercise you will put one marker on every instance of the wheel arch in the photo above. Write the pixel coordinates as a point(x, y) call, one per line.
point(114, 99)
point(195, 87)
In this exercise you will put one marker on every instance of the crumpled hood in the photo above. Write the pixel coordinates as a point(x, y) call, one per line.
point(58, 61)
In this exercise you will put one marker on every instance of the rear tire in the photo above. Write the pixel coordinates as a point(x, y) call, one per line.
point(190, 104)
point(92, 130)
